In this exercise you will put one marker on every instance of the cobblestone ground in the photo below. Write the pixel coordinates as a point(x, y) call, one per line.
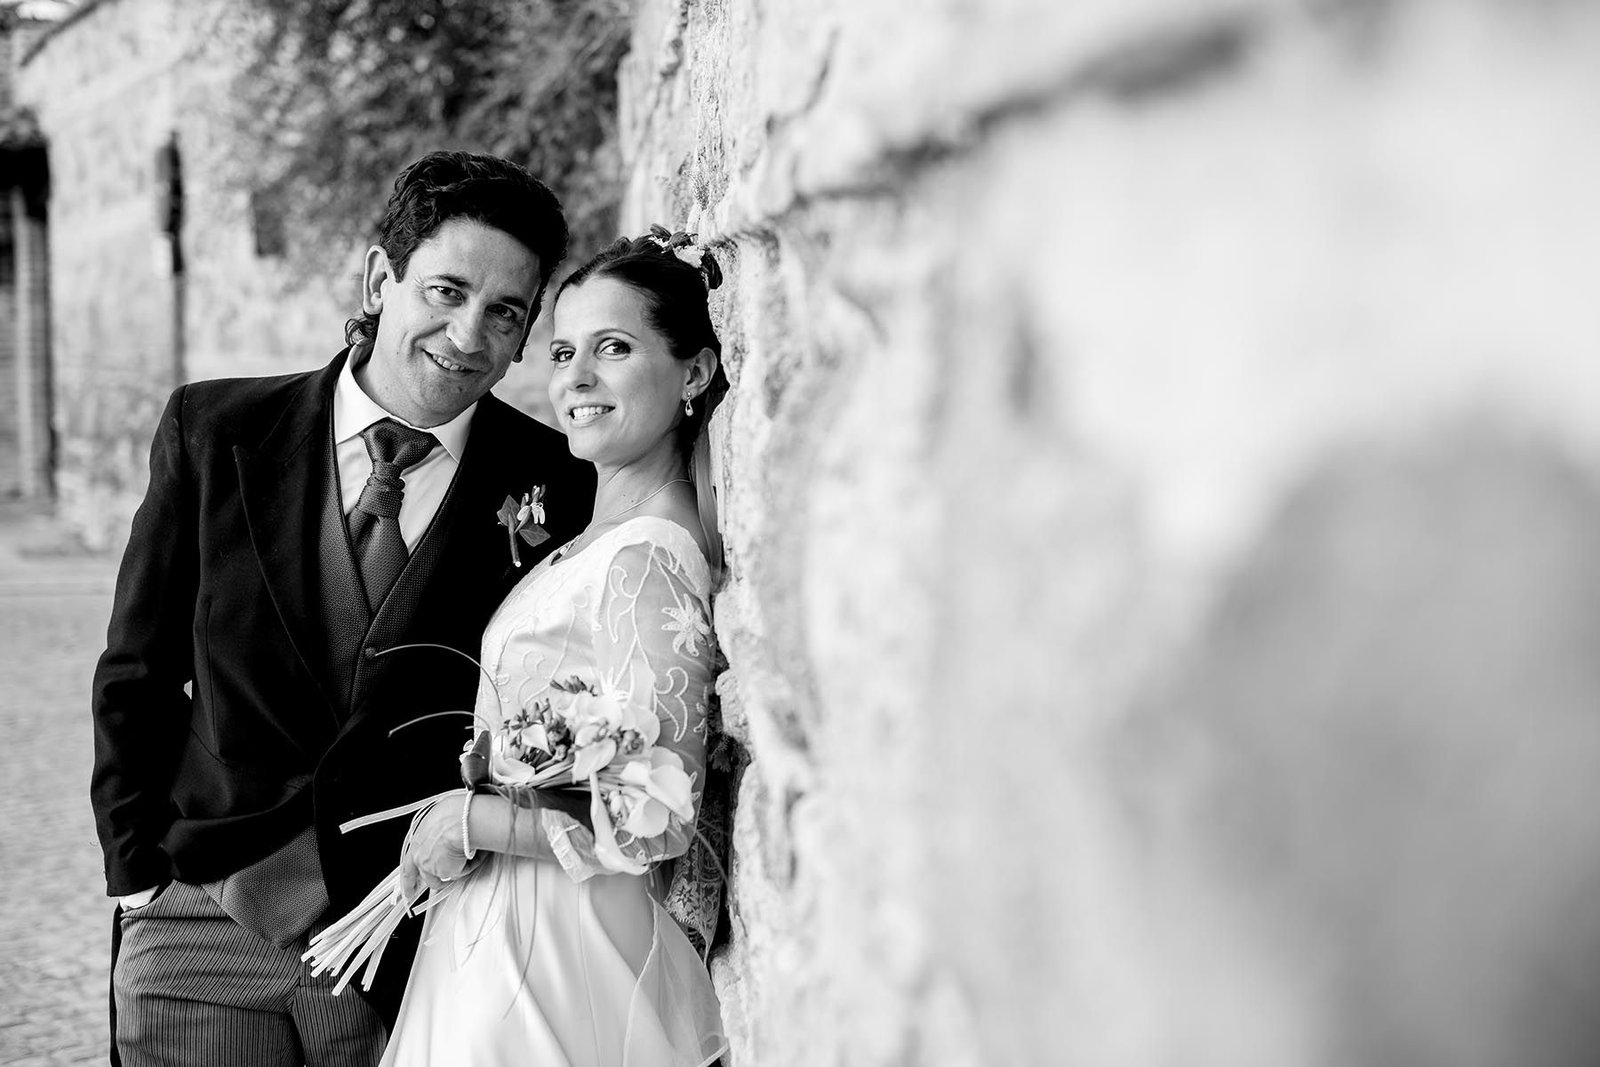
point(55, 920)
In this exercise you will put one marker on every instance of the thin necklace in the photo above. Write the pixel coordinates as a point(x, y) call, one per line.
point(562, 551)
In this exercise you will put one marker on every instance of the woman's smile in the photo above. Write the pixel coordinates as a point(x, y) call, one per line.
point(584, 414)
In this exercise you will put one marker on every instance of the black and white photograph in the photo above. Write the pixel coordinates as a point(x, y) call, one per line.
point(799, 533)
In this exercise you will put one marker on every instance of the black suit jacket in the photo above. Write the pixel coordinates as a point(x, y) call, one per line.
point(240, 698)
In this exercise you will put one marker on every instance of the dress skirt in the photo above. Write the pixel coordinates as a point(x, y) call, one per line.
point(520, 965)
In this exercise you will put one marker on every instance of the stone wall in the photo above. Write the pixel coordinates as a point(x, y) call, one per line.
point(110, 86)
point(1160, 485)
point(24, 401)
point(25, 442)
point(10, 446)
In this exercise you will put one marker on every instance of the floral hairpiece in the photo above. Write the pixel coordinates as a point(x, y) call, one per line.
point(687, 248)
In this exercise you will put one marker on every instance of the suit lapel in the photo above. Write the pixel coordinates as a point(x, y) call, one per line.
point(338, 594)
point(497, 464)
point(281, 484)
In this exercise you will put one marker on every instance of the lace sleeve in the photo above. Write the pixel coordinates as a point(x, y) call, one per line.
point(652, 646)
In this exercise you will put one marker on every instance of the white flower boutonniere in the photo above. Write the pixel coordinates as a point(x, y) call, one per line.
point(524, 519)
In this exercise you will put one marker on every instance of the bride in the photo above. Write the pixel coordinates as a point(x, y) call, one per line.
point(539, 949)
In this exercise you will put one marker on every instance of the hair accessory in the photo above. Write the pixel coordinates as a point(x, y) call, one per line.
point(686, 247)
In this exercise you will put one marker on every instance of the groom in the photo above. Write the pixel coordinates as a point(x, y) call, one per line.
point(295, 529)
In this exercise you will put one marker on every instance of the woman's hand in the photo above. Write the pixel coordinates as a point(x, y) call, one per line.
point(434, 852)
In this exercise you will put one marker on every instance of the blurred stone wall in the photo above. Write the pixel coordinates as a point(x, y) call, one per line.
point(111, 85)
point(25, 447)
point(24, 344)
point(10, 446)
point(1161, 486)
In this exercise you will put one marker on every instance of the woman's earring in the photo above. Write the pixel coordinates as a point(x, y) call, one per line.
point(688, 406)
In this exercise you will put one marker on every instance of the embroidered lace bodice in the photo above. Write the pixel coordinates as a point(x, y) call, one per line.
point(631, 613)
point(524, 962)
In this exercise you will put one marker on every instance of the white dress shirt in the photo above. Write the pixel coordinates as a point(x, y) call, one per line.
point(426, 482)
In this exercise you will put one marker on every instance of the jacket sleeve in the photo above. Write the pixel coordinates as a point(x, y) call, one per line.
point(141, 706)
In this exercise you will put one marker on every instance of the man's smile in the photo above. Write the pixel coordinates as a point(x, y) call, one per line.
point(447, 364)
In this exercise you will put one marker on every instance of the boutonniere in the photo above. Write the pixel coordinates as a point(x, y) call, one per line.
point(524, 520)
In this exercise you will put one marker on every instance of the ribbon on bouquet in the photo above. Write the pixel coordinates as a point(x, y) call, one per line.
point(418, 806)
point(361, 936)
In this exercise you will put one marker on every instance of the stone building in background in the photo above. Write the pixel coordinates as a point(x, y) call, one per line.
point(168, 265)
point(161, 268)
point(26, 457)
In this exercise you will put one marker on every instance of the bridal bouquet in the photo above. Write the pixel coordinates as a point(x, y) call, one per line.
point(582, 742)
point(584, 736)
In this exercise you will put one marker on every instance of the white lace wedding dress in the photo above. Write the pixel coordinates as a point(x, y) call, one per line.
point(561, 963)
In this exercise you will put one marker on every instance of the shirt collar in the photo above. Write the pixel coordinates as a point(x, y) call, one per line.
point(354, 411)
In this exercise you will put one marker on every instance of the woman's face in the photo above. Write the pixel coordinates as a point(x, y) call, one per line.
point(616, 388)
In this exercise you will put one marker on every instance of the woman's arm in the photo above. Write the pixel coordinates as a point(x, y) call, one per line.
point(653, 650)
point(437, 851)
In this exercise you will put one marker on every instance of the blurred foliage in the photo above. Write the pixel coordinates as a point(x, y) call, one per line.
point(337, 96)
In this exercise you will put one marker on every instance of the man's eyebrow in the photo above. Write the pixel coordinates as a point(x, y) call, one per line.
point(462, 283)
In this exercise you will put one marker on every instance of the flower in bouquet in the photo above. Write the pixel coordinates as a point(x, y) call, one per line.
point(603, 725)
point(648, 790)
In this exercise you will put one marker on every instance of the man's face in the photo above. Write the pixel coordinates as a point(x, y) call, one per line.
point(449, 329)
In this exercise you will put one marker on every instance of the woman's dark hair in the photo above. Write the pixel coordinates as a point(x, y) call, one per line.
point(676, 296)
point(463, 185)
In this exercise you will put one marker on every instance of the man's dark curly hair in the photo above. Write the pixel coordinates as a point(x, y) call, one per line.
point(464, 185)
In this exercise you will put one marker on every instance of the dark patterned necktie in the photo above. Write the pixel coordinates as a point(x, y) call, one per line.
point(375, 522)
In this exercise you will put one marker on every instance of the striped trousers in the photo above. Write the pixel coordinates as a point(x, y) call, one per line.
point(193, 987)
